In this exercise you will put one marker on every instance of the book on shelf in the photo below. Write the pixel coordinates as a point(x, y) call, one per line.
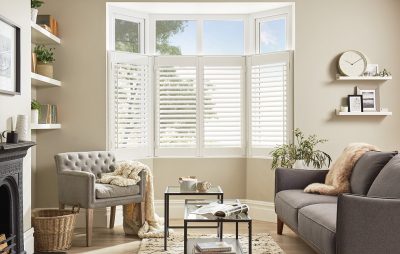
point(219, 247)
point(48, 114)
point(222, 210)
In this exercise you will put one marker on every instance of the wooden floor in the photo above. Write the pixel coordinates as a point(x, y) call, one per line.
point(106, 241)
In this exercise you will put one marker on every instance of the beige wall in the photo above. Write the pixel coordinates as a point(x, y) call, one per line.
point(323, 30)
point(18, 12)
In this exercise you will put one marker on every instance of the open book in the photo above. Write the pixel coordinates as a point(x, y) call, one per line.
point(222, 210)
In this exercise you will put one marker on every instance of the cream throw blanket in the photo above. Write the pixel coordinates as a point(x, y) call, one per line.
point(338, 178)
point(126, 174)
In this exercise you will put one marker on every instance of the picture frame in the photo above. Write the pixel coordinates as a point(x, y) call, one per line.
point(371, 70)
point(371, 101)
point(10, 57)
point(355, 103)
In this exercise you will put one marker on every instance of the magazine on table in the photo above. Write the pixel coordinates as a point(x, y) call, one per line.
point(222, 210)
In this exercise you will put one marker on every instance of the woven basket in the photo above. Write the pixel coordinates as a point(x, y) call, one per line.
point(53, 229)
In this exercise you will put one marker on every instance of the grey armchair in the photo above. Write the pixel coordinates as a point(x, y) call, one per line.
point(77, 173)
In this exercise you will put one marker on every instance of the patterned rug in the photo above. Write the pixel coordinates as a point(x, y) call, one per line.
point(262, 244)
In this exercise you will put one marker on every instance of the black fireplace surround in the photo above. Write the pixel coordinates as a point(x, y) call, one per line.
point(11, 212)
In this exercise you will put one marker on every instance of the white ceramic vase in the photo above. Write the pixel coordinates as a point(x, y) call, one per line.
point(35, 116)
point(34, 13)
point(22, 128)
point(301, 164)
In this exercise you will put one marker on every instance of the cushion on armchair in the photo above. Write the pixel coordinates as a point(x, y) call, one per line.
point(366, 170)
point(386, 184)
point(113, 191)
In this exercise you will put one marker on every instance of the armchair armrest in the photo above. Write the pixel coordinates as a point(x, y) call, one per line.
point(367, 225)
point(76, 188)
point(290, 179)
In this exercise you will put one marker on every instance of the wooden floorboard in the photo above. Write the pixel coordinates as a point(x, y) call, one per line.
point(114, 240)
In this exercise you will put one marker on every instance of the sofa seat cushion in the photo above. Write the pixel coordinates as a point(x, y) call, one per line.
point(288, 202)
point(113, 191)
point(386, 184)
point(366, 170)
point(317, 225)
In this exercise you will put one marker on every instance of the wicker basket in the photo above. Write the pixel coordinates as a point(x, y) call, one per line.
point(53, 229)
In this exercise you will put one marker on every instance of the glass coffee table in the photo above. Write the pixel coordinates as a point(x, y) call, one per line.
point(192, 205)
point(215, 191)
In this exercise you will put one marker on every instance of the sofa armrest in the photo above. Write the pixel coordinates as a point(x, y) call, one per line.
point(290, 179)
point(367, 225)
point(76, 188)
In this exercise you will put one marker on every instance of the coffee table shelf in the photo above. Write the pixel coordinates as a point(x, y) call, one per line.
point(234, 242)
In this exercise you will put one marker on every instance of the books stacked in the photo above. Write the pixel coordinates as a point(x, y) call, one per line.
point(214, 248)
point(48, 114)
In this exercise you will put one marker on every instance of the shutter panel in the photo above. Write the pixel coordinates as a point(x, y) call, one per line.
point(269, 107)
point(222, 102)
point(130, 104)
point(177, 105)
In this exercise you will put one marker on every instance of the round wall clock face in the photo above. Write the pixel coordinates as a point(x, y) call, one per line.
point(352, 63)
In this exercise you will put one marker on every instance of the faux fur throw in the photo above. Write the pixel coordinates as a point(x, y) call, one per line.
point(338, 178)
point(125, 174)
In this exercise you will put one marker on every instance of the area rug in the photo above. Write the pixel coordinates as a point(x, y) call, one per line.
point(262, 244)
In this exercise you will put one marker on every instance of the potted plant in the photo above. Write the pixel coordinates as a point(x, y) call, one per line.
point(35, 107)
point(45, 58)
point(35, 4)
point(302, 153)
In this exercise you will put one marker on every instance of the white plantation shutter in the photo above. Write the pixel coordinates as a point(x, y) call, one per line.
point(270, 108)
point(223, 90)
point(176, 108)
point(129, 104)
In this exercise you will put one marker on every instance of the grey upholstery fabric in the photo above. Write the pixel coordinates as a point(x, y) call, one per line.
point(113, 191)
point(386, 184)
point(317, 225)
point(367, 225)
point(288, 202)
point(366, 170)
point(77, 172)
point(291, 179)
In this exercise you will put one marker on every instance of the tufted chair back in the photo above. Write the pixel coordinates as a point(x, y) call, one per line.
point(96, 162)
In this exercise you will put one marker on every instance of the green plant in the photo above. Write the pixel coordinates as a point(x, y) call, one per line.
point(36, 4)
point(35, 105)
point(303, 148)
point(44, 54)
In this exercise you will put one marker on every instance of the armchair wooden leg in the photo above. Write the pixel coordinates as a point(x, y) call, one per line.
point(112, 217)
point(89, 226)
point(61, 206)
point(142, 212)
point(279, 226)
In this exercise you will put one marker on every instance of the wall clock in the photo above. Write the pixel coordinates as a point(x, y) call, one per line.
point(352, 63)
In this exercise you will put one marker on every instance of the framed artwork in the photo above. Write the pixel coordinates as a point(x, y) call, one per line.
point(371, 70)
point(10, 54)
point(355, 103)
point(370, 99)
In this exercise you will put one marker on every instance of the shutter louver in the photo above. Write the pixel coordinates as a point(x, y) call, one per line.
point(269, 107)
point(222, 106)
point(177, 106)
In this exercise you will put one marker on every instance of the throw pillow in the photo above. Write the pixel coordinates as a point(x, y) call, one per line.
point(366, 170)
point(386, 184)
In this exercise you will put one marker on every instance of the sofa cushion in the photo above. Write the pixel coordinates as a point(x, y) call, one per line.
point(113, 191)
point(386, 184)
point(317, 225)
point(288, 202)
point(366, 170)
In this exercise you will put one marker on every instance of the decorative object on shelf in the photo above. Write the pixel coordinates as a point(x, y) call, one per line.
point(10, 51)
point(352, 63)
point(34, 63)
point(48, 114)
point(203, 186)
point(303, 148)
point(35, 107)
point(384, 110)
point(370, 99)
point(188, 183)
point(372, 70)
point(35, 4)
point(344, 109)
point(11, 137)
point(355, 103)
point(22, 128)
point(384, 73)
point(48, 21)
point(45, 57)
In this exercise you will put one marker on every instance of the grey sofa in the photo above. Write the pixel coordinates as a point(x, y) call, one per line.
point(77, 173)
point(365, 221)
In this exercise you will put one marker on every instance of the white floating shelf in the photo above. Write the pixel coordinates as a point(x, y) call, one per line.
point(43, 81)
point(339, 113)
point(42, 36)
point(339, 77)
point(45, 126)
